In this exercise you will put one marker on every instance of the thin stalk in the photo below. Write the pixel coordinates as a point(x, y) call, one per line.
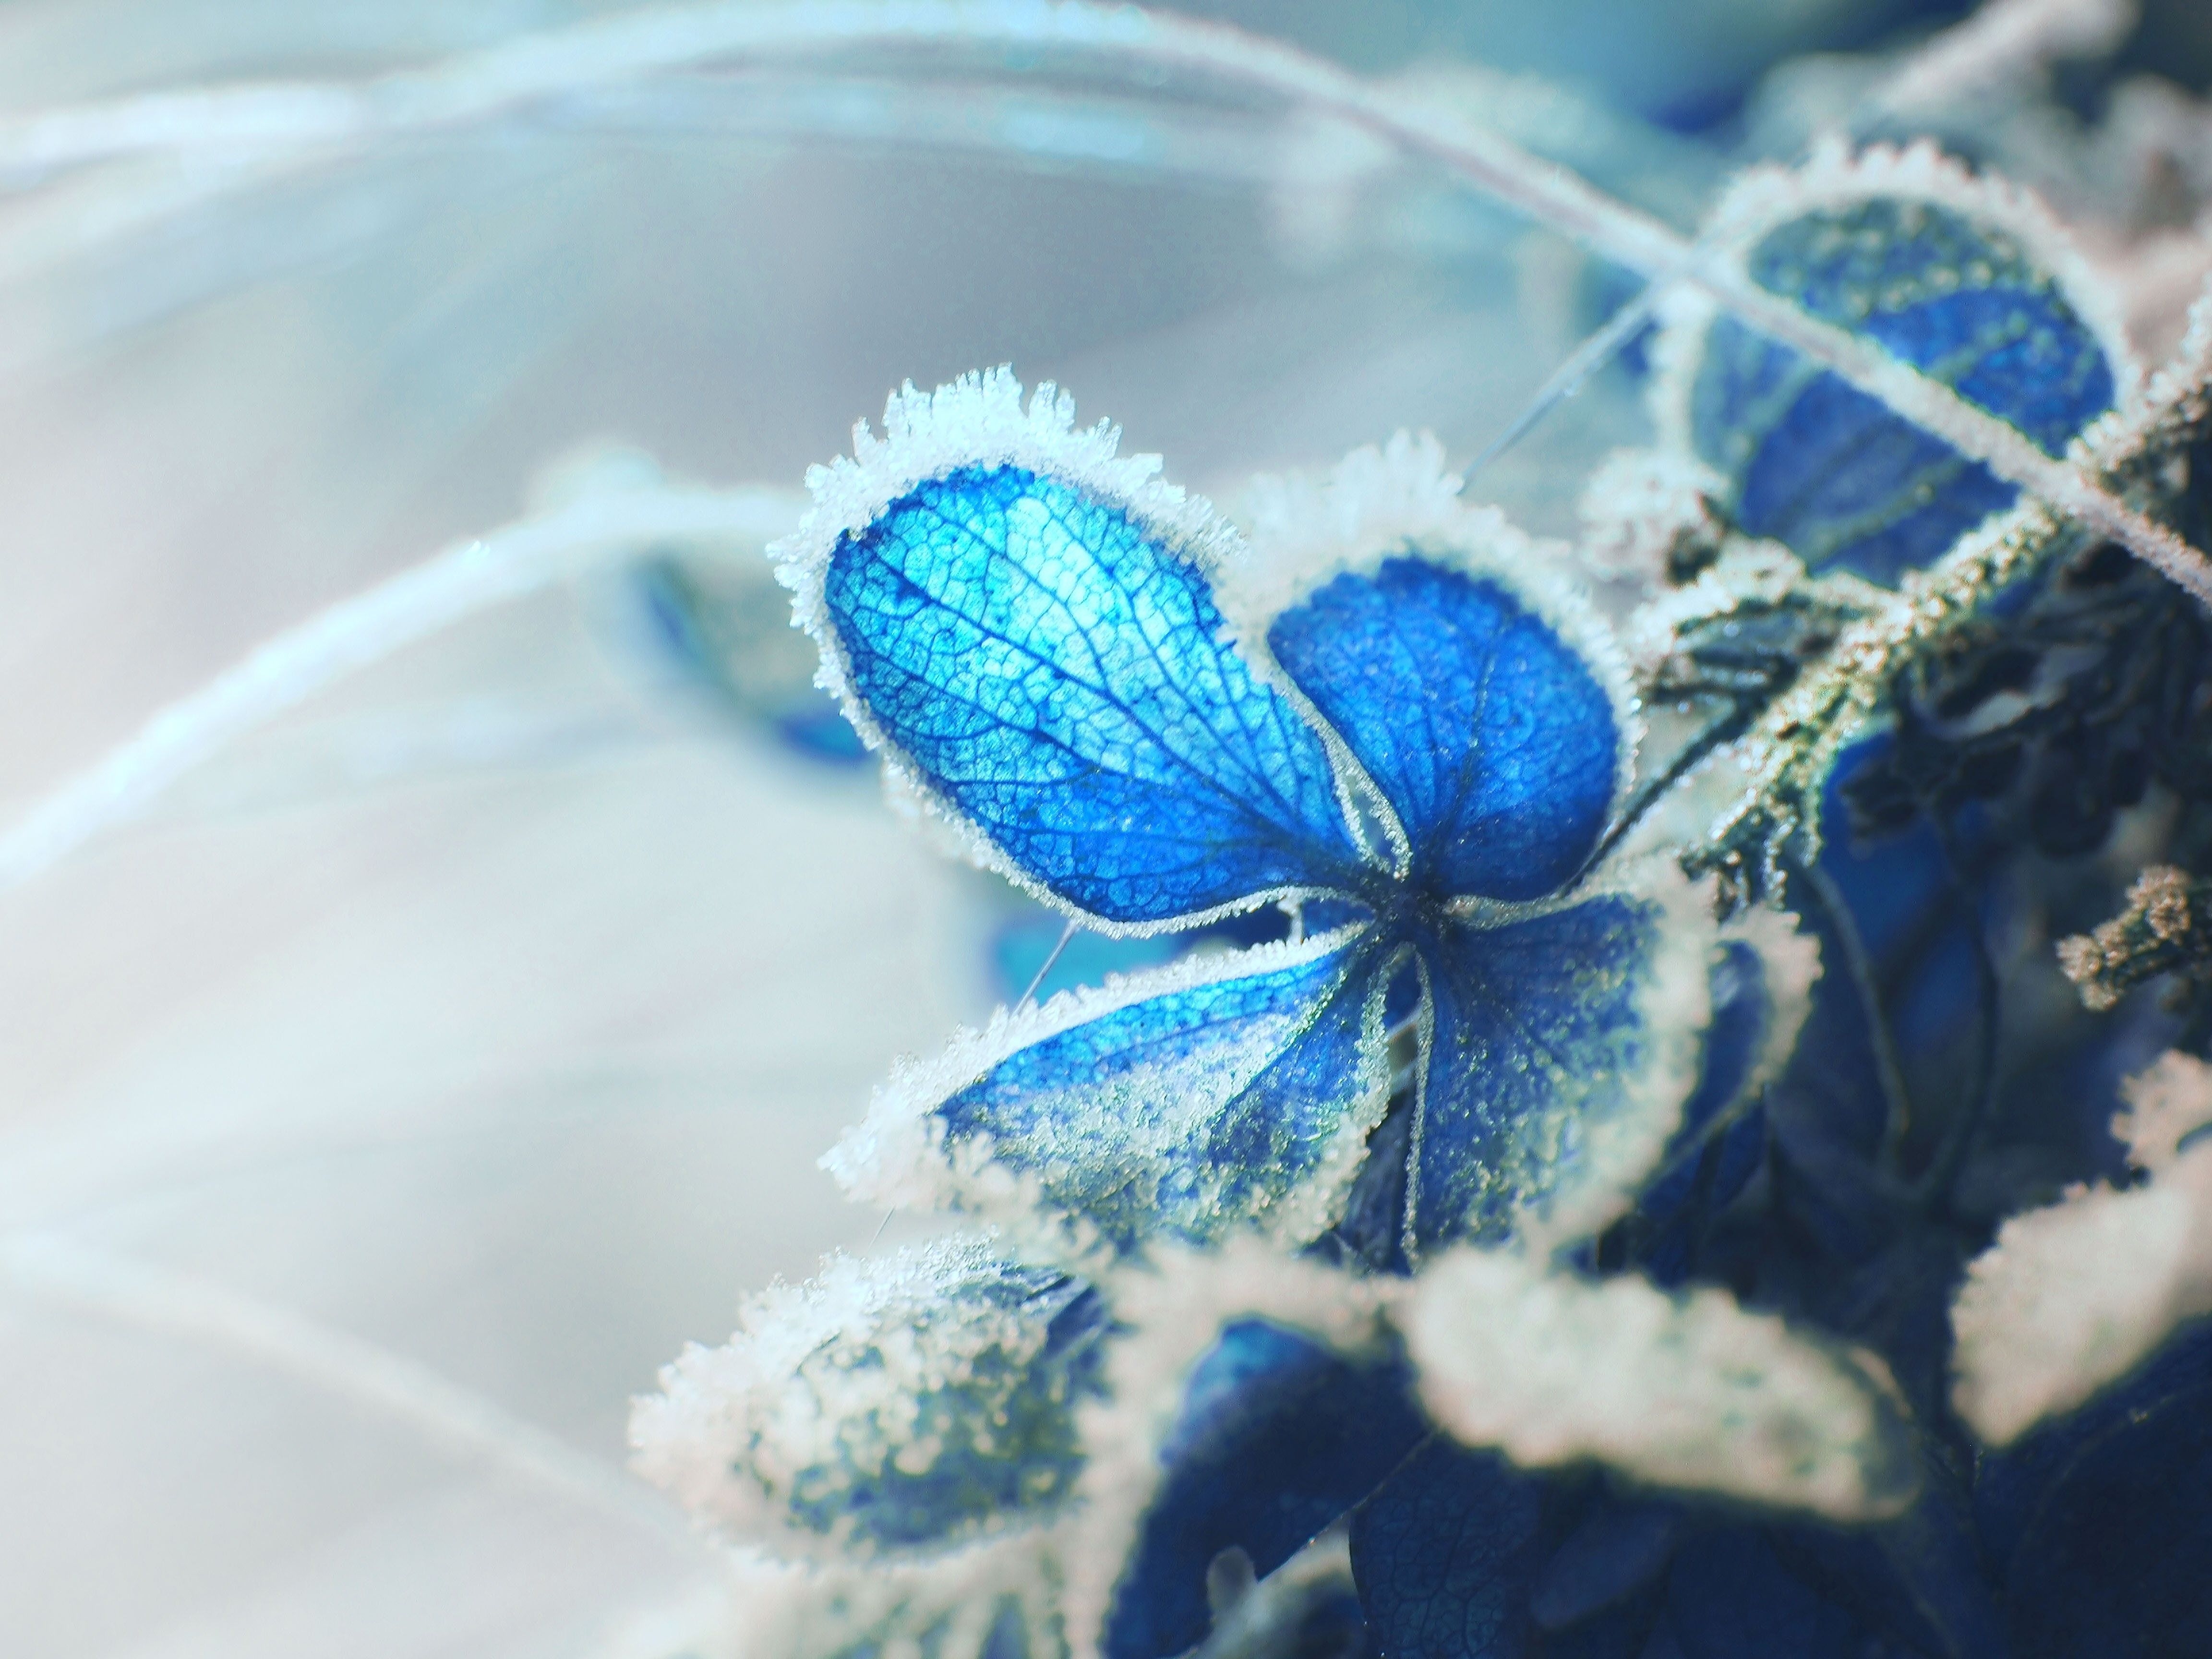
point(474, 86)
point(153, 1298)
point(1896, 1098)
point(1592, 355)
point(1029, 995)
point(1933, 1191)
point(465, 580)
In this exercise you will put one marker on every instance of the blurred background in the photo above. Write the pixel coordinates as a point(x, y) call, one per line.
point(385, 1097)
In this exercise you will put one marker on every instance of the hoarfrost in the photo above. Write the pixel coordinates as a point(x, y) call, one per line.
point(1687, 1391)
point(2073, 1296)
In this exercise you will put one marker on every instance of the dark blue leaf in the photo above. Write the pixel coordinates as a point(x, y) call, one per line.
point(1491, 736)
point(1446, 1554)
point(1920, 1578)
point(1729, 1596)
point(1279, 1435)
point(1619, 1548)
point(1817, 464)
point(2104, 1520)
point(1061, 678)
point(1711, 1156)
point(1195, 1107)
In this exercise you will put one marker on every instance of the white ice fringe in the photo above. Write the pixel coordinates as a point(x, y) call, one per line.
point(980, 421)
point(1685, 1391)
point(899, 1156)
point(2075, 1296)
point(1059, 1569)
point(734, 1426)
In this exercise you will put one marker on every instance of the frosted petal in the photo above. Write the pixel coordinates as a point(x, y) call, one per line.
point(1179, 1103)
point(1489, 734)
point(1563, 1045)
point(1963, 281)
point(1682, 1391)
point(914, 1400)
point(1025, 627)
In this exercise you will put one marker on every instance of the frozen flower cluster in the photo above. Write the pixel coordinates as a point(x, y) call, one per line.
point(1602, 1204)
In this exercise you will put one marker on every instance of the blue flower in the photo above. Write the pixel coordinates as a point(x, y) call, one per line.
point(1386, 716)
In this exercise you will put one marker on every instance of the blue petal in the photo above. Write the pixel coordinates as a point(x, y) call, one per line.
point(1278, 1437)
point(1060, 677)
point(1201, 1105)
point(1446, 1555)
point(1489, 734)
point(1547, 1063)
point(1612, 1554)
point(950, 1378)
point(1919, 1578)
point(1827, 469)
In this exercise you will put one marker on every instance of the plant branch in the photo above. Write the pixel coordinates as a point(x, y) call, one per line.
point(153, 1298)
point(600, 528)
point(473, 87)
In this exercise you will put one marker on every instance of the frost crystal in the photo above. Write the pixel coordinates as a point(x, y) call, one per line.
point(2075, 1297)
point(906, 1402)
point(2161, 931)
point(1678, 1390)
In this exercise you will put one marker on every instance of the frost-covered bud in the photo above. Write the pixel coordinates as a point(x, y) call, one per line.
point(2161, 931)
point(917, 1400)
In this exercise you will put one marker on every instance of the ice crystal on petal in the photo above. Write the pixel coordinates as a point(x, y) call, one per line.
point(1391, 707)
point(909, 1401)
point(2073, 1296)
point(1964, 280)
point(1687, 1391)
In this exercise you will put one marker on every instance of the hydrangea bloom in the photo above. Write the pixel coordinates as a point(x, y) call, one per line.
point(1372, 1240)
point(1406, 732)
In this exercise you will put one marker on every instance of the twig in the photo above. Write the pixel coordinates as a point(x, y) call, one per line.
point(1595, 352)
point(1066, 934)
point(1896, 1096)
point(473, 577)
point(477, 86)
point(153, 1298)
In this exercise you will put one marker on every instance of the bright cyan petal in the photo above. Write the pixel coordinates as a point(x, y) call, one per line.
point(1057, 674)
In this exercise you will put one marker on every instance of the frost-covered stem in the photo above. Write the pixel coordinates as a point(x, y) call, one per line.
point(153, 1298)
point(478, 85)
point(1595, 352)
point(1897, 1099)
point(2002, 41)
point(356, 632)
point(1795, 744)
